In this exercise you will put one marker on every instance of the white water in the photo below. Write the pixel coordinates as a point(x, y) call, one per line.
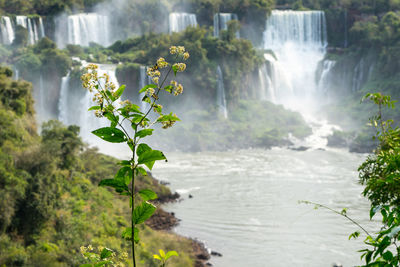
point(298, 40)
point(245, 205)
point(221, 22)
point(221, 98)
point(267, 89)
point(82, 29)
point(63, 104)
point(180, 21)
point(7, 30)
point(34, 27)
point(324, 81)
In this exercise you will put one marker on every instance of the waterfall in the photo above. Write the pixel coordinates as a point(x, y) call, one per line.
point(34, 27)
point(82, 29)
point(267, 90)
point(63, 100)
point(324, 80)
point(35, 32)
point(42, 97)
point(298, 40)
point(221, 99)
point(180, 21)
point(358, 76)
point(16, 73)
point(221, 22)
point(7, 30)
point(303, 28)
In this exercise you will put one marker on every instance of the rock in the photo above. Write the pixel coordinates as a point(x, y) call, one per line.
point(300, 148)
point(190, 196)
point(340, 139)
point(165, 183)
point(217, 254)
point(162, 220)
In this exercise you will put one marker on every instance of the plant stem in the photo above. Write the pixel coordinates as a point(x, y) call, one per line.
point(341, 214)
point(133, 204)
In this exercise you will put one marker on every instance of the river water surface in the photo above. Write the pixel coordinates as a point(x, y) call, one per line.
point(245, 205)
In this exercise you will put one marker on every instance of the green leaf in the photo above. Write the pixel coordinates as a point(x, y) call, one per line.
point(170, 254)
point(124, 163)
point(168, 88)
point(124, 174)
point(147, 194)
point(136, 118)
point(119, 92)
point(111, 134)
point(157, 257)
point(109, 94)
point(143, 212)
point(175, 68)
point(94, 108)
point(168, 117)
point(388, 255)
point(144, 133)
point(141, 170)
point(86, 265)
point(147, 87)
point(136, 235)
point(111, 117)
point(105, 253)
point(101, 263)
point(118, 185)
point(162, 253)
point(354, 235)
point(142, 148)
point(127, 233)
point(149, 157)
point(374, 210)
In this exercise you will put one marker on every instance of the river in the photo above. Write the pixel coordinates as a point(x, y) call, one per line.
point(245, 205)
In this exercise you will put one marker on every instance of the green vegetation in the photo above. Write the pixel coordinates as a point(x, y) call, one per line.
point(50, 200)
point(44, 8)
point(203, 131)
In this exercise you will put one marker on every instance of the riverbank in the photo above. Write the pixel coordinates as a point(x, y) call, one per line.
point(166, 221)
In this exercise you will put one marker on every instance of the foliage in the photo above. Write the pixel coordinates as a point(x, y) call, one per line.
point(163, 257)
point(202, 130)
point(379, 173)
point(45, 7)
point(139, 121)
point(49, 208)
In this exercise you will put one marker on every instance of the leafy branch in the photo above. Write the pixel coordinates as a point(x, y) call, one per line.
point(119, 114)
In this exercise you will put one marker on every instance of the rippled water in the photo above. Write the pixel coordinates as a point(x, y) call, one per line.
point(245, 205)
